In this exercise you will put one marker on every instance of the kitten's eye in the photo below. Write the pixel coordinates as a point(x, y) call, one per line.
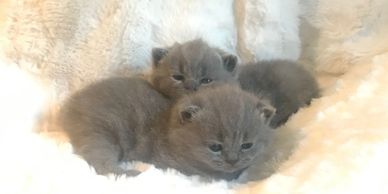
point(215, 147)
point(246, 146)
point(178, 77)
point(206, 80)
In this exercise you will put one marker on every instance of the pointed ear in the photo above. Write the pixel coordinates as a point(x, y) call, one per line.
point(230, 62)
point(187, 114)
point(158, 54)
point(266, 111)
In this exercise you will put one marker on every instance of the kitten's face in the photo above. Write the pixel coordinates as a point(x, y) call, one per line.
point(222, 130)
point(188, 67)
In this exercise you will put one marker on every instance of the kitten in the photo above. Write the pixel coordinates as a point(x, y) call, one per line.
point(107, 122)
point(215, 133)
point(184, 68)
point(285, 83)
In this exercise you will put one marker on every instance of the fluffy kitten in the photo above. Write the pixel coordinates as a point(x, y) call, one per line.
point(183, 68)
point(285, 83)
point(108, 121)
point(214, 133)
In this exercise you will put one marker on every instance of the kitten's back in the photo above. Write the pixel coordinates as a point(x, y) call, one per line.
point(287, 84)
point(107, 120)
point(114, 99)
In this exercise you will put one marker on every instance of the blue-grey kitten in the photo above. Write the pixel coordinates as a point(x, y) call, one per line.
point(286, 84)
point(215, 132)
point(185, 68)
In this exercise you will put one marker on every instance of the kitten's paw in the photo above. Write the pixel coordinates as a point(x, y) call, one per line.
point(131, 173)
point(126, 173)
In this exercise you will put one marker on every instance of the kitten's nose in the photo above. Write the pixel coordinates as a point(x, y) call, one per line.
point(190, 85)
point(232, 159)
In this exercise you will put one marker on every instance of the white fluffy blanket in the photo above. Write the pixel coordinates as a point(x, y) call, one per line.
point(73, 42)
point(70, 43)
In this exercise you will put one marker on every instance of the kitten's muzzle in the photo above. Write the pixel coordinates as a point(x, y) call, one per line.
point(231, 159)
point(190, 85)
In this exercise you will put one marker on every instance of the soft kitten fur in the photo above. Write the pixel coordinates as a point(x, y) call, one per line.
point(184, 68)
point(110, 122)
point(285, 83)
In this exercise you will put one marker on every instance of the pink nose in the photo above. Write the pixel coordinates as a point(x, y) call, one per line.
point(231, 159)
point(190, 85)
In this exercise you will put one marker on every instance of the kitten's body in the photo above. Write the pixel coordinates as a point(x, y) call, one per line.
point(285, 83)
point(115, 120)
point(185, 68)
point(107, 120)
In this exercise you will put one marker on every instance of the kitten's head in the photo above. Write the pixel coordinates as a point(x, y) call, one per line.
point(184, 68)
point(220, 130)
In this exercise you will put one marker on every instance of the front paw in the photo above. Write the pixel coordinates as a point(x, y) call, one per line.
point(132, 173)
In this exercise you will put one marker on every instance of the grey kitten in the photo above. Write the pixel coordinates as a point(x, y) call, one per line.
point(108, 122)
point(215, 133)
point(184, 68)
point(285, 83)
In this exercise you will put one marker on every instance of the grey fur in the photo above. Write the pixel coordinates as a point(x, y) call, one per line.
point(107, 122)
point(194, 60)
point(285, 83)
point(124, 119)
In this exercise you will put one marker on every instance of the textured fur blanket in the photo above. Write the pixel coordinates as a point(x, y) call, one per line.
point(75, 42)
point(339, 143)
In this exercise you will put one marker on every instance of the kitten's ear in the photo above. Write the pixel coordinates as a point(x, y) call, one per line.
point(266, 111)
point(186, 115)
point(158, 54)
point(230, 62)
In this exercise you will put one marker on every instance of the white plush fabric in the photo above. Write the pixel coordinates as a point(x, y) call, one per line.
point(69, 43)
point(74, 42)
point(345, 33)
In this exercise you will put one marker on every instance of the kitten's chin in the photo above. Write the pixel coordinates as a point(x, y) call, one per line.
point(179, 94)
point(228, 168)
point(174, 92)
point(232, 175)
point(169, 93)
